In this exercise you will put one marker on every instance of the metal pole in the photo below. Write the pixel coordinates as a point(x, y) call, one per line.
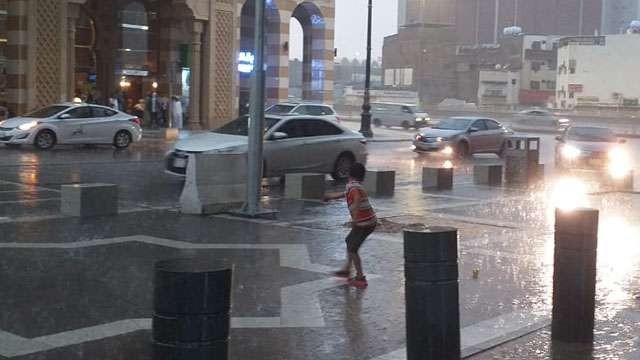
point(256, 118)
point(574, 275)
point(365, 121)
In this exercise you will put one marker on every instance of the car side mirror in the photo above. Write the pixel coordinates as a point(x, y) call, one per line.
point(279, 135)
point(473, 129)
point(622, 141)
point(64, 116)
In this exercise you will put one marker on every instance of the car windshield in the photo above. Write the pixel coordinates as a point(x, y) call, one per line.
point(591, 134)
point(415, 109)
point(49, 111)
point(240, 126)
point(453, 124)
point(280, 109)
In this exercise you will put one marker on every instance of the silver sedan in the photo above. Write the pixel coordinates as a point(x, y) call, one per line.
point(462, 136)
point(291, 144)
point(71, 123)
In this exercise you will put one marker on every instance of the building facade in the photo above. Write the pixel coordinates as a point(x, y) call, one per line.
point(444, 44)
point(199, 49)
point(595, 72)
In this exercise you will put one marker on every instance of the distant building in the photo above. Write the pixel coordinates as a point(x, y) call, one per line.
point(598, 72)
point(618, 14)
point(437, 39)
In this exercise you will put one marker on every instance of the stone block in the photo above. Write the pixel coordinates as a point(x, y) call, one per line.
point(437, 178)
point(304, 186)
point(487, 175)
point(380, 182)
point(215, 183)
point(88, 200)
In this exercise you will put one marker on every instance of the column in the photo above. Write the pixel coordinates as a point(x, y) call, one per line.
point(18, 56)
point(73, 13)
point(194, 121)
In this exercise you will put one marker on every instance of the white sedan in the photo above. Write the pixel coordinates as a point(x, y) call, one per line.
point(71, 123)
point(292, 143)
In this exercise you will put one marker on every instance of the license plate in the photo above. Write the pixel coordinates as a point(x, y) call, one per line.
point(179, 163)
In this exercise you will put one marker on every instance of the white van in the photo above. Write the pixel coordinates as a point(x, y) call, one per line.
point(394, 114)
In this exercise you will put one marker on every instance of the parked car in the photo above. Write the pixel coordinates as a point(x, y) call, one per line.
point(292, 144)
point(393, 114)
point(462, 136)
point(538, 118)
point(592, 148)
point(71, 123)
point(323, 110)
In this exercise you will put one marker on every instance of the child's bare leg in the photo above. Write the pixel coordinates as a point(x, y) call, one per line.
point(357, 263)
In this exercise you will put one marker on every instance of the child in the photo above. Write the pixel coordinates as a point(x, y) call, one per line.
point(363, 222)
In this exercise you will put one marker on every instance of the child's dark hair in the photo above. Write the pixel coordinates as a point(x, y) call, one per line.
point(357, 171)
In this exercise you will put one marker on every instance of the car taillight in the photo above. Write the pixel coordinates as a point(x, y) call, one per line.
point(136, 120)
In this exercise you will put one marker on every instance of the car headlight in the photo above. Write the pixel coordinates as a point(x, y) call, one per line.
point(570, 152)
point(619, 155)
point(28, 126)
point(447, 150)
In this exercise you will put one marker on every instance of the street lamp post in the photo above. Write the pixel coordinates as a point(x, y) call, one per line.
point(365, 121)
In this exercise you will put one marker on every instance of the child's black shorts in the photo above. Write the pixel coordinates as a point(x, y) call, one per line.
point(357, 236)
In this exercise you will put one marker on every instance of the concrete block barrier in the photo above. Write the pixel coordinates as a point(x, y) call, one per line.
point(304, 186)
point(437, 178)
point(89, 200)
point(380, 182)
point(487, 175)
point(215, 183)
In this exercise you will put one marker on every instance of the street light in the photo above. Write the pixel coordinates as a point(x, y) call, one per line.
point(365, 120)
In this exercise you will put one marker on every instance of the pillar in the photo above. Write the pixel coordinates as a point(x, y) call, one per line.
point(18, 55)
point(73, 13)
point(194, 120)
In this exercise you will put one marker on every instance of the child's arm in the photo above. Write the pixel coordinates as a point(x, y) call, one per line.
point(333, 196)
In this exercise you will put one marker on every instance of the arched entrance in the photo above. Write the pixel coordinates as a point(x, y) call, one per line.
point(314, 53)
point(272, 53)
point(317, 59)
point(130, 48)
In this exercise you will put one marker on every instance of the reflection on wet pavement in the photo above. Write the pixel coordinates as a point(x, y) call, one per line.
point(58, 279)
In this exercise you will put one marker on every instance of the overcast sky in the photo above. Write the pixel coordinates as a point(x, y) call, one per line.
point(351, 28)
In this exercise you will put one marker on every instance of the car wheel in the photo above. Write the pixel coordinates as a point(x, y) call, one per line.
point(122, 140)
point(463, 149)
point(406, 125)
point(342, 167)
point(377, 122)
point(45, 140)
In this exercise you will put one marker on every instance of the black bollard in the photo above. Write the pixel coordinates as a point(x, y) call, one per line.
point(574, 275)
point(192, 301)
point(431, 292)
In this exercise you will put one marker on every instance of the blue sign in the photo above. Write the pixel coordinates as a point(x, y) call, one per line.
point(246, 62)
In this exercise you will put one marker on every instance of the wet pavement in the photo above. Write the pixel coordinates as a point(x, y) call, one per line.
point(82, 288)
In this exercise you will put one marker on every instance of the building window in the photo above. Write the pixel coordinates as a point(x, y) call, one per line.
point(551, 85)
point(535, 85)
point(572, 66)
point(571, 95)
point(536, 45)
point(514, 81)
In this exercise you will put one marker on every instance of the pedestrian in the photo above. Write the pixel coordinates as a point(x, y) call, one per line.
point(154, 109)
point(363, 223)
point(176, 112)
point(114, 103)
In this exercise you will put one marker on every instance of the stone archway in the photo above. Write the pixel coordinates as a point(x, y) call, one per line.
point(317, 59)
point(273, 51)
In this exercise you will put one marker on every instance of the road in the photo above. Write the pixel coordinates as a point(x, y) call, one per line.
point(82, 288)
